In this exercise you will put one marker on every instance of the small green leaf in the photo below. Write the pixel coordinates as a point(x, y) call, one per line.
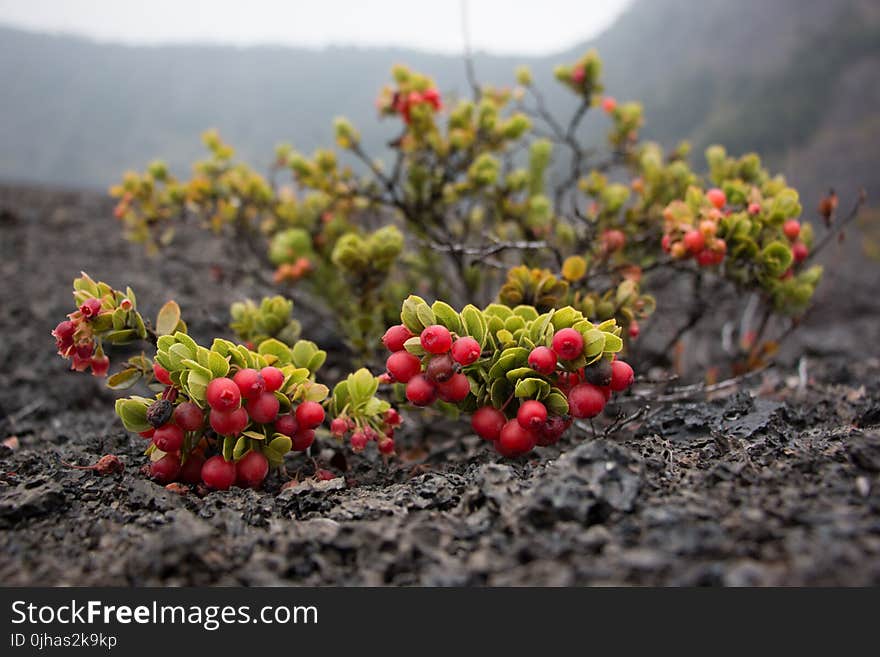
point(167, 319)
point(474, 323)
point(124, 379)
point(133, 413)
point(276, 348)
point(446, 315)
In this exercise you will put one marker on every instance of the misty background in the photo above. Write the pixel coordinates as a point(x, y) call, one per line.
point(92, 88)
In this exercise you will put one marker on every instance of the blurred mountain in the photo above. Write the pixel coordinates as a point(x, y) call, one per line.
point(797, 80)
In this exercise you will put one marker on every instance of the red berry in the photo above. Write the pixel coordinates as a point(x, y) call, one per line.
point(488, 422)
point(218, 473)
point(189, 417)
point(586, 400)
point(799, 251)
point(223, 395)
point(264, 409)
point(338, 427)
point(792, 229)
point(168, 438)
point(609, 104)
point(359, 441)
point(249, 382)
point(90, 308)
point(455, 390)
point(694, 241)
point(716, 197)
point(706, 258)
point(147, 434)
point(166, 469)
point(552, 430)
point(191, 471)
point(754, 208)
point(634, 329)
point(515, 439)
point(229, 423)
point(420, 391)
point(273, 378)
point(403, 366)
point(466, 351)
point(531, 414)
point(395, 337)
point(386, 445)
point(309, 414)
point(436, 339)
point(432, 96)
point(666, 243)
point(543, 360)
point(613, 240)
point(303, 439)
point(252, 469)
point(100, 365)
point(287, 425)
point(568, 344)
point(392, 418)
point(161, 374)
point(622, 375)
point(440, 368)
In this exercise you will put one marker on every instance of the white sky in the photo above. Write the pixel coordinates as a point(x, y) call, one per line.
point(497, 26)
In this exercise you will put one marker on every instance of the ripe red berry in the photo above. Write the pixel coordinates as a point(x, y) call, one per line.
point(90, 308)
point(303, 439)
point(716, 197)
point(191, 471)
point(148, 434)
point(168, 438)
point(252, 469)
point(395, 337)
point(264, 409)
point(432, 96)
point(386, 445)
point(287, 425)
point(309, 414)
point(487, 422)
point(706, 258)
point(161, 374)
point(634, 329)
point(166, 469)
point(392, 418)
point(613, 240)
point(666, 243)
point(222, 394)
point(799, 251)
point(420, 391)
point(403, 366)
point(622, 375)
point(189, 417)
point(466, 351)
point(228, 423)
point(359, 441)
point(543, 360)
point(552, 430)
point(754, 208)
point(586, 400)
point(609, 104)
point(792, 229)
point(338, 427)
point(694, 241)
point(218, 473)
point(436, 339)
point(531, 414)
point(273, 378)
point(249, 382)
point(515, 439)
point(568, 344)
point(455, 390)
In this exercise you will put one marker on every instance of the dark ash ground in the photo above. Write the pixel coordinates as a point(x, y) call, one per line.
point(781, 487)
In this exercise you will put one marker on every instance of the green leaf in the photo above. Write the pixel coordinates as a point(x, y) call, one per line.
point(446, 315)
point(133, 413)
point(124, 379)
point(528, 313)
point(556, 402)
point(217, 364)
point(229, 447)
point(474, 323)
point(276, 348)
point(594, 342)
point(414, 346)
point(613, 343)
point(409, 313)
point(361, 386)
point(316, 392)
point(241, 446)
point(316, 361)
point(167, 319)
point(531, 388)
point(121, 337)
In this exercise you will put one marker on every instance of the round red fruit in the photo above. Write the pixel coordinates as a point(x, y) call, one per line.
point(249, 382)
point(487, 422)
point(552, 431)
point(403, 366)
point(440, 368)
point(694, 241)
point(531, 414)
point(189, 417)
point(754, 208)
point(543, 360)
point(634, 329)
point(466, 351)
point(613, 240)
point(436, 339)
point(286, 424)
point(161, 374)
point(309, 414)
point(586, 400)
point(622, 375)
point(273, 378)
point(792, 229)
point(168, 438)
point(191, 471)
point(303, 439)
point(338, 427)
point(392, 418)
point(716, 197)
point(515, 439)
point(264, 409)
point(252, 469)
point(229, 423)
point(166, 469)
point(218, 473)
point(568, 344)
point(799, 251)
point(386, 445)
point(359, 441)
point(609, 104)
point(420, 391)
point(395, 337)
point(455, 390)
point(223, 395)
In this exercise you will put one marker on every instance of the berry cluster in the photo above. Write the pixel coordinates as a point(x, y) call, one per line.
point(414, 96)
point(362, 416)
point(686, 236)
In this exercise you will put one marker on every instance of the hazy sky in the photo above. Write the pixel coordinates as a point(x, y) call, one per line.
point(498, 26)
